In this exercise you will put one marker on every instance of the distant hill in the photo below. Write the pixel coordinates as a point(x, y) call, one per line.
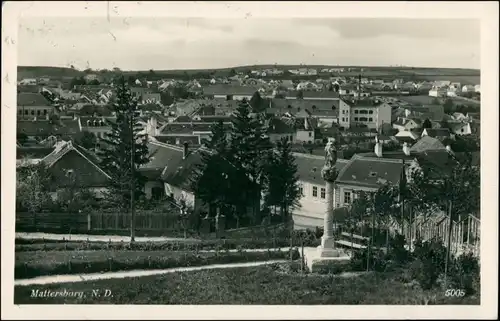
point(41, 71)
point(417, 73)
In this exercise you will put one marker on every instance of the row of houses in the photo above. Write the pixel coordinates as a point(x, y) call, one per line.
point(170, 168)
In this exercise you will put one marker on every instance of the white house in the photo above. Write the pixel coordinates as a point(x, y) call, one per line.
point(28, 81)
point(460, 128)
point(451, 92)
point(312, 208)
point(405, 124)
point(438, 92)
point(459, 116)
point(468, 89)
point(477, 88)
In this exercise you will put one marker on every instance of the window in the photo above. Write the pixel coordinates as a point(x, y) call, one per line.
point(370, 112)
point(356, 118)
point(32, 112)
point(25, 112)
point(157, 193)
point(291, 138)
point(347, 197)
point(20, 112)
point(45, 111)
point(38, 112)
point(370, 119)
point(323, 192)
point(315, 191)
point(356, 111)
point(301, 190)
point(69, 173)
point(310, 134)
point(363, 119)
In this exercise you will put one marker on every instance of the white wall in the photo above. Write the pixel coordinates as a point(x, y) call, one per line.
point(277, 137)
point(344, 114)
point(304, 136)
point(384, 115)
point(342, 189)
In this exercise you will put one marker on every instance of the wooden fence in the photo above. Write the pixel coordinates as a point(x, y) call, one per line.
point(465, 235)
point(145, 221)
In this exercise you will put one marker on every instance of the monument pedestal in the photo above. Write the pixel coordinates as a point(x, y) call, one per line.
point(327, 248)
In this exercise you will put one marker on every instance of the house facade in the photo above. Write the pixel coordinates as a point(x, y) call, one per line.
point(72, 165)
point(438, 92)
point(366, 174)
point(312, 208)
point(363, 113)
point(33, 105)
point(405, 124)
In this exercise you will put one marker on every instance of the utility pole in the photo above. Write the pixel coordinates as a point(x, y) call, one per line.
point(132, 177)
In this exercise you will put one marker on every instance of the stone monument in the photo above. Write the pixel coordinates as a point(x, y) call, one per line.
point(327, 253)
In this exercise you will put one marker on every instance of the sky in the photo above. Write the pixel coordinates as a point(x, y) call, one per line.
point(139, 43)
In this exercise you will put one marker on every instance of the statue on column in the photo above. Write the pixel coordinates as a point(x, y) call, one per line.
point(329, 171)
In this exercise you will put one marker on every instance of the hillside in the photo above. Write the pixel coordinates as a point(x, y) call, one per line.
point(471, 76)
point(42, 71)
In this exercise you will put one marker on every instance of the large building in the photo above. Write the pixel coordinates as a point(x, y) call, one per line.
point(31, 105)
point(364, 112)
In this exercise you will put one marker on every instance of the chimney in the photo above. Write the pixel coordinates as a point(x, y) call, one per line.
point(378, 147)
point(185, 150)
point(306, 124)
point(406, 149)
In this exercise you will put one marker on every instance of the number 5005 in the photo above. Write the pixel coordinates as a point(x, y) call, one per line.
point(454, 292)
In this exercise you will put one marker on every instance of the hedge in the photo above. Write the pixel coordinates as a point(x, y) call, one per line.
point(188, 245)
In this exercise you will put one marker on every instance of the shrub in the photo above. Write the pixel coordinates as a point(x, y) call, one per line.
point(430, 258)
point(397, 251)
point(230, 244)
point(464, 272)
point(359, 260)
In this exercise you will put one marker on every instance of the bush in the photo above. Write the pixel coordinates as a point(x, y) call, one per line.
point(464, 273)
point(226, 244)
point(430, 258)
point(359, 260)
point(397, 251)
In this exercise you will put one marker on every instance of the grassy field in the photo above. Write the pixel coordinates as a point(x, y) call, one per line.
point(255, 285)
point(40, 263)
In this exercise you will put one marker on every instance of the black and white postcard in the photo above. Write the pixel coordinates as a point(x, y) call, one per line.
point(249, 159)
